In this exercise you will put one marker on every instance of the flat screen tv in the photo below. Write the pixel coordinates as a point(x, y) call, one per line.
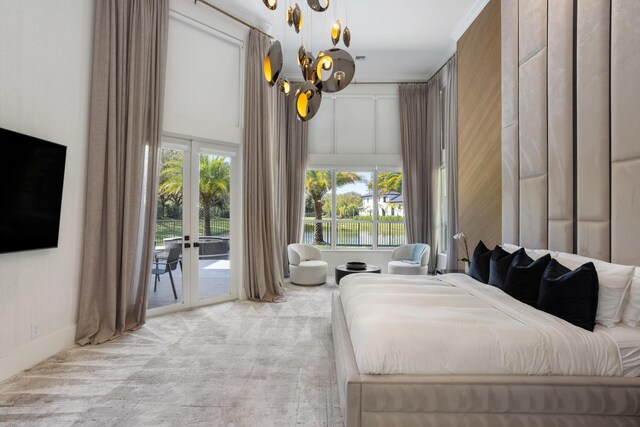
point(31, 177)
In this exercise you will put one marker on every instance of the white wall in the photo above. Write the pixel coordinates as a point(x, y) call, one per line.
point(359, 125)
point(45, 68)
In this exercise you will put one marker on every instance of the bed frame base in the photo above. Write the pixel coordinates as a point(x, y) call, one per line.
point(476, 400)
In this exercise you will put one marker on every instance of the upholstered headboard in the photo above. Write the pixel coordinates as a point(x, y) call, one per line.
point(571, 131)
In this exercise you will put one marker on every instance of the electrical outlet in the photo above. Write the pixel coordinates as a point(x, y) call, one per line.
point(35, 331)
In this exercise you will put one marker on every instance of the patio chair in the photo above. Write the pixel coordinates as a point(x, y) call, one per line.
point(166, 265)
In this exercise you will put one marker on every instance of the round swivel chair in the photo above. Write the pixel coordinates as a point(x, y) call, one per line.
point(305, 265)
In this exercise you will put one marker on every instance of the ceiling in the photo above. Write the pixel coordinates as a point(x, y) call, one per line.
point(402, 40)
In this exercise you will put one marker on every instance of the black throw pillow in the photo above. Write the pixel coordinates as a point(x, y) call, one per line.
point(500, 263)
point(524, 277)
point(570, 295)
point(479, 268)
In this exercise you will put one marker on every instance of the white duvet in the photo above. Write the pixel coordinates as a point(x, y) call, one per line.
point(453, 325)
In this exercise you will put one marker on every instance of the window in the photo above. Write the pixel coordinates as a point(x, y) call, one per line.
point(364, 209)
point(443, 232)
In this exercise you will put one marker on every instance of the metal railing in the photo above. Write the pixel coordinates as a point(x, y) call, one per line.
point(167, 228)
point(350, 233)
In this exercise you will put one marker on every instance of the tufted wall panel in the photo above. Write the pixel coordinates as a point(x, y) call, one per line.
point(592, 128)
point(577, 146)
point(625, 131)
point(560, 120)
point(510, 146)
point(532, 117)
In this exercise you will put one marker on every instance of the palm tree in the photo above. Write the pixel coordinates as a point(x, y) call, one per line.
point(390, 182)
point(318, 183)
point(214, 184)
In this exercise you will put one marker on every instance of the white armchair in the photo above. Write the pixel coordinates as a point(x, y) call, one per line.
point(305, 265)
point(405, 252)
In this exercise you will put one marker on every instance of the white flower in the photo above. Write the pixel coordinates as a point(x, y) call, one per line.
point(459, 236)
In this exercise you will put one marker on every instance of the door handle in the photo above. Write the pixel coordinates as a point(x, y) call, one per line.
point(187, 245)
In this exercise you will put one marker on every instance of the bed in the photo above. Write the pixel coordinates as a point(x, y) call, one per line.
point(415, 351)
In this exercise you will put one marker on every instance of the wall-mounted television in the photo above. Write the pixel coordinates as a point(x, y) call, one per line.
point(31, 180)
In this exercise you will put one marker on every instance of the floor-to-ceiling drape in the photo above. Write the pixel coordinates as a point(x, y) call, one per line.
point(127, 95)
point(262, 255)
point(291, 142)
point(428, 117)
point(416, 123)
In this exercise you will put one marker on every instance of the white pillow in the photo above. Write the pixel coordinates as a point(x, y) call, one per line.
point(631, 310)
point(614, 279)
point(533, 253)
point(510, 248)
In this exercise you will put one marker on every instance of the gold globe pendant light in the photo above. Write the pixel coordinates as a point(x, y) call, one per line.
point(340, 72)
point(336, 30)
point(308, 69)
point(297, 18)
point(290, 16)
point(273, 63)
point(346, 37)
point(271, 4)
point(317, 5)
point(302, 54)
point(307, 101)
point(284, 86)
point(323, 67)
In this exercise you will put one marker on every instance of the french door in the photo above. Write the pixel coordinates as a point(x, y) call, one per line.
point(194, 242)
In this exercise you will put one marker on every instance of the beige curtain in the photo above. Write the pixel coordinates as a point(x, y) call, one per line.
point(450, 93)
point(291, 142)
point(429, 121)
point(262, 256)
point(127, 94)
point(418, 109)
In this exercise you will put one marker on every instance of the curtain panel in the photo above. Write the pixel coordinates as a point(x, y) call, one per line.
point(127, 96)
point(291, 147)
point(416, 126)
point(263, 275)
point(427, 125)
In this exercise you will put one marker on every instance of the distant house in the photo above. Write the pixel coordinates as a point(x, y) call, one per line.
point(390, 204)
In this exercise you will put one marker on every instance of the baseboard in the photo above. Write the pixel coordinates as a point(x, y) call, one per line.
point(36, 351)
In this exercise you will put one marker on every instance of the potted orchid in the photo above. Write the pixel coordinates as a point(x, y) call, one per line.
point(462, 239)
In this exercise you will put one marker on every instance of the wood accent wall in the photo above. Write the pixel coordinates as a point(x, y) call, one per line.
point(479, 129)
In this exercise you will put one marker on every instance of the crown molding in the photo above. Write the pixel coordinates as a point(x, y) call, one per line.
point(468, 19)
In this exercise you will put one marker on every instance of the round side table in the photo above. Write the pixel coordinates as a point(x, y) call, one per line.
point(342, 271)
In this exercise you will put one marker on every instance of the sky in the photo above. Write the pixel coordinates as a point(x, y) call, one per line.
point(360, 187)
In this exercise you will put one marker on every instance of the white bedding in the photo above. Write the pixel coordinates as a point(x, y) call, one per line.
point(627, 339)
point(453, 325)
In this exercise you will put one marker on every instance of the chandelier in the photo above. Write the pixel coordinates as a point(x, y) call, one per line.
point(330, 71)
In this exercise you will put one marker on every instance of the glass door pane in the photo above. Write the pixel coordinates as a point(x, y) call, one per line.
point(166, 283)
point(214, 192)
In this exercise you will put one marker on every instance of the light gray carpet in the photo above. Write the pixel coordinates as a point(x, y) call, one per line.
point(233, 364)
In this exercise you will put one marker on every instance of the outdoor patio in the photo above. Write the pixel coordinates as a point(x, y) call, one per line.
point(214, 282)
